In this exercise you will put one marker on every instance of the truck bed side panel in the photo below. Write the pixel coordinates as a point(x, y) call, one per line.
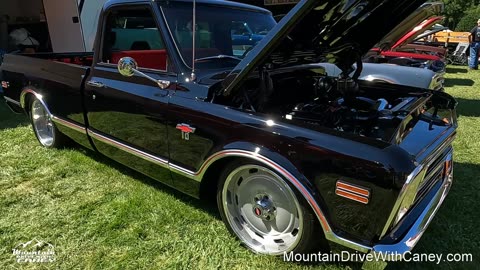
point(61, 87)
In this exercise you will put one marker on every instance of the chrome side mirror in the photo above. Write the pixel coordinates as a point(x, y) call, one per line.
point(127, 66)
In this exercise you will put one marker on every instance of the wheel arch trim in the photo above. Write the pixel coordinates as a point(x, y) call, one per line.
point(277, 168)
point(29, 91)
point(329, 233)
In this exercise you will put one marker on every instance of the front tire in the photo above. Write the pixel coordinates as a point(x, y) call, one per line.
point(45, 130)
point(265, 213)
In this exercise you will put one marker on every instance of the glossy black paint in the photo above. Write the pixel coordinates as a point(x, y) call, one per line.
point(338, 32)
point(135, 112)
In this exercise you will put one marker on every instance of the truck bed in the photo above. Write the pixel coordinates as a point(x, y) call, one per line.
point(59, 77)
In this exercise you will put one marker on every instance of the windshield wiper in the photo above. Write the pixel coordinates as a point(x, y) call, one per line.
point(220, 56)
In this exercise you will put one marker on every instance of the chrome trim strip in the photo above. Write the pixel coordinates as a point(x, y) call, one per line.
point(329, 234)
point(128, 149)
point(183, 171)
point(12, 101)
point(238, 153)
point(69, 124)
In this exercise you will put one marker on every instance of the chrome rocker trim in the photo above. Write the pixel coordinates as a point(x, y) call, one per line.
point(197, 176)
point(329, 234)
point(406, 244)
point(69, 124)
point(128, 149)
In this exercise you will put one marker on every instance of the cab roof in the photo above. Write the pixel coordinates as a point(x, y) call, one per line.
point(222, 3)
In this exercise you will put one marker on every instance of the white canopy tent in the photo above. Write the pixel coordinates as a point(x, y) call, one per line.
point(59, 25)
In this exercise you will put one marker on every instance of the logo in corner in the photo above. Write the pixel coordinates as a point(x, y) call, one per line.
point(186, 130)
point(34, 251)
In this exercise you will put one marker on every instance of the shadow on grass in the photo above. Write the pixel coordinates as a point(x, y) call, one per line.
point(9, 119)
point(206, 205)
point(456, 69)
point(450, 82)
point(468, 107)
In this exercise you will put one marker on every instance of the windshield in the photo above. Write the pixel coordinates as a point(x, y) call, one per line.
point(224, 35)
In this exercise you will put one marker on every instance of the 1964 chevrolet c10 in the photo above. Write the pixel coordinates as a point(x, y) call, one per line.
point(296, 158)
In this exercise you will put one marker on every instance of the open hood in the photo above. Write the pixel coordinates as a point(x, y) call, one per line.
point(429, 33)
point(333, 31)
point(417, 30)
point(415, 24)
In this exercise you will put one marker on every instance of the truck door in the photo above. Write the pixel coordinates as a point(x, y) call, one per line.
point(64, 25)
point(119, 123)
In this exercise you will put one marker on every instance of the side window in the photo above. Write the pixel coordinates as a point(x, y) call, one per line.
point(134, 33)
point(240, 28)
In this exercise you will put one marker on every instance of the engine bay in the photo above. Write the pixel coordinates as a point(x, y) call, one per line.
point(341, 104)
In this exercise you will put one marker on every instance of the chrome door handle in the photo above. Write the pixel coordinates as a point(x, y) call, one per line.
point(96, 84)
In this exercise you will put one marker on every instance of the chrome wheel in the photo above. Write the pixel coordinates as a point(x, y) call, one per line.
point(262, 210)
point(42, 124)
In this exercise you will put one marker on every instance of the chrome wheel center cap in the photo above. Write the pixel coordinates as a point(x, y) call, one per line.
point(263, 207)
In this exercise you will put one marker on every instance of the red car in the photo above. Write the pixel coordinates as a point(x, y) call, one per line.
point(398, 50)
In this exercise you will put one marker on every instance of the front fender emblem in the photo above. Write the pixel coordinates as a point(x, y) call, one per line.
point(186, 130)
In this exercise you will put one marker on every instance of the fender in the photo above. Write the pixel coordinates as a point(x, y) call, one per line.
point(285, 168)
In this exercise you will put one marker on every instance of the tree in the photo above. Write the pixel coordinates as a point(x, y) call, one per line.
point(469, 19)
point(456, 9)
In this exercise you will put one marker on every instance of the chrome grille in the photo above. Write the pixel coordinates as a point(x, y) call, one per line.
point(435, 170)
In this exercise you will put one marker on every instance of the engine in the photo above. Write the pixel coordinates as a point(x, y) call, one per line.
point(333, 103)
point(349, 113)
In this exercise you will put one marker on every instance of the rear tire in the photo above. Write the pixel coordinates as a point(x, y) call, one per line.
point(43, 126)
point(265, 212)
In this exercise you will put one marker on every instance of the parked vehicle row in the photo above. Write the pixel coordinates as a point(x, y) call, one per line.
point(298, 153)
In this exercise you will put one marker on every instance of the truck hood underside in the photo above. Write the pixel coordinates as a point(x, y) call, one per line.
point(337, 32)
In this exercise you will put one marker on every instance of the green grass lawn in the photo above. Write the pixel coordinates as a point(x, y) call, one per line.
point(100, 215)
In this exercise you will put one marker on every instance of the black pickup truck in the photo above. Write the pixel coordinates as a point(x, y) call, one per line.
point(295, 158)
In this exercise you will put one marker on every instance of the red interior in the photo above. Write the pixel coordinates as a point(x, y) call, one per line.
point(154, 59)
point(202, 52)
point(81, 61)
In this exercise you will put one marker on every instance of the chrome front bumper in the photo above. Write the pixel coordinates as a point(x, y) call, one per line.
point(433, 201)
